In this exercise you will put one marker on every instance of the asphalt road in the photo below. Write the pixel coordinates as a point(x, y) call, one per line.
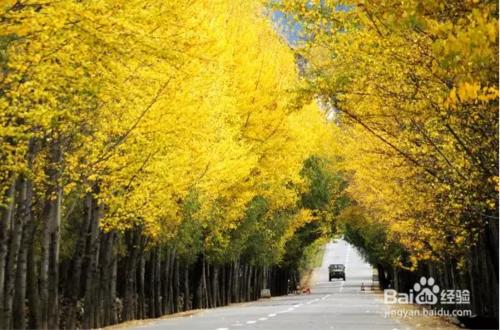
point(331, 305)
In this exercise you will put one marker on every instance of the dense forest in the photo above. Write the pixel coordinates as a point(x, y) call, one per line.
point(162, 156)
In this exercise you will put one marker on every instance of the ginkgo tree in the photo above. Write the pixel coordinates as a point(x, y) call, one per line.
point(136, 139)
point(414, 90)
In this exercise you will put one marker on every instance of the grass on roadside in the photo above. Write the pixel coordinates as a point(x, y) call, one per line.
point(312, 258)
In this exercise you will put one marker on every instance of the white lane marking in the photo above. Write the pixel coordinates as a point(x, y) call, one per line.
point(262, 318)
point(309, 302)
point(251, 322)
point(222, 329)
point(272, 315)
point(286, 310)
point(324, 297)
point(346, 263)
point(298, 305)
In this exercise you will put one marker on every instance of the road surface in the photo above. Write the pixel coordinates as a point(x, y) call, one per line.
point(331, 305)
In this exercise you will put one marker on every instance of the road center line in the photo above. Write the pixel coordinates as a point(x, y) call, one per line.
point(286, 310)
point(346, 263)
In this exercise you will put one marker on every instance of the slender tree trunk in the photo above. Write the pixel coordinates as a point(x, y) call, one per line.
point(54, 260)
point(176, 291)
point(230, 284)
point(115, 311)
point(80, 248)
point(243, 283)
point(105, 294)
point(32, 290)
point(165, 309)
point(141, 302)
point(171, 293)
point(129, 311)
point(215, 291)
point(208, 282)
point(150, 284)
point(49, 266)
point(223, 286)
point(92, 259)
point(187, 293)
point(5, 227)
point(19, 316)
point(16, 232)
point(157, 283)
point(206, 302)
point(249, 282)
point(236, 278)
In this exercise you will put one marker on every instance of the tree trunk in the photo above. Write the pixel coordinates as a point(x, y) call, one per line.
point(49, 295)
point(157, 283)
point(78, 255)
point(235, 297)
point(129, 311)
point(223, 286)
point(176, 291)
point(5, 227)
point(92, 261)
point(187, 293)
point(115, 307)
point(215, 289)
point(208, 282)
point(105, 293)
point(166, 283)
point(32, 290)
point(171, 295)
point(29, 227)
point(140, 286)
point(16, 232)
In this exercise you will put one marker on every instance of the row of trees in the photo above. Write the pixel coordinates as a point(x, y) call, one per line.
point(413, 88)
point(153, 159)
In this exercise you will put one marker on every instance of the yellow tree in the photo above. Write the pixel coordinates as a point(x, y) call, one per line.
point(115, 116)
point(415, 90)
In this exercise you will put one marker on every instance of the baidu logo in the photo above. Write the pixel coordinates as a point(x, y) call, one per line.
point(426, 291)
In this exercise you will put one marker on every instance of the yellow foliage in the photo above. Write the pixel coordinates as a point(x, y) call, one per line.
point(415, 90)
point(151, 101)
